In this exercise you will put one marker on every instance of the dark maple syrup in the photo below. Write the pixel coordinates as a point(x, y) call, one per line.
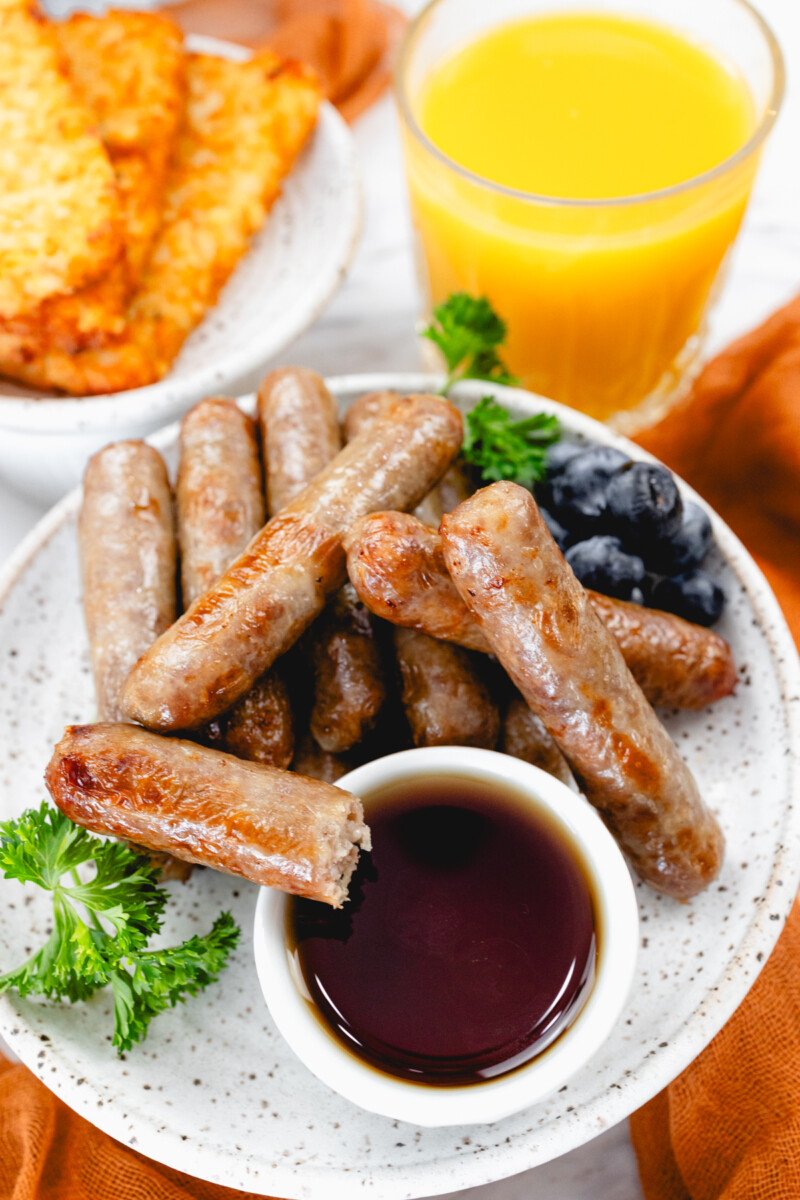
point(469, 940)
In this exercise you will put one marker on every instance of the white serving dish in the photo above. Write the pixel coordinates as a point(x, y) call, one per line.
point(292, 269)
point(617, 926)
point(216, 1091)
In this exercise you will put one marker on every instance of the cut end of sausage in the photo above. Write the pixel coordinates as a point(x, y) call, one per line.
point(344, 844)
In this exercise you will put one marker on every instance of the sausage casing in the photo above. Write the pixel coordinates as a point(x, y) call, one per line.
point(128, 563)
point(260, 726)
point(310, 760)
point(273, 591)
point(220, 500)
point(397, 567)
point(445, 700)
point(539, 622)
point(272, 827)
point(524, 736)
point(299, 432)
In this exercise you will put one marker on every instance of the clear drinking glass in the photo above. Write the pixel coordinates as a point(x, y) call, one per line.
point(605, 300)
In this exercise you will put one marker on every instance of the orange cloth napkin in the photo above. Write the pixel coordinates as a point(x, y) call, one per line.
point(729, 1127)
point(347, 42)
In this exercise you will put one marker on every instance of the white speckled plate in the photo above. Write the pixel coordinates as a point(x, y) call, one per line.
point(292, 268)
point(214, 1091)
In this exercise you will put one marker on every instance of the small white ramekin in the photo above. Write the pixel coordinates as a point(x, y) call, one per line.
point(422, 1104)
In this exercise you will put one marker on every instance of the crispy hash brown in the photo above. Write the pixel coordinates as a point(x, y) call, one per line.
point(59, 209)
point(129, 68)
point(244, 126)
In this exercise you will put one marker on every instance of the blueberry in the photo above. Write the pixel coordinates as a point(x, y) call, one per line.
point(644, 507)
point(557, 530)
point(602, 564)
point(692, 595)
point(578, 493)
point(559, 454)
point(689, 546)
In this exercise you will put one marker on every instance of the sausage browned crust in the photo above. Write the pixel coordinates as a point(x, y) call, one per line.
point(445, 700)
point(396, 565)
point(127, 550)
point(524, 736)
point(539, 622)
point(198, 804)
point(220, 510)
point(219, 494)
point(299, 432)
point(273, 591)
point(300, 429)
point(349, 685)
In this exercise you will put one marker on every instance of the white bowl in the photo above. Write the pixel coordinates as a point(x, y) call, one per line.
point(617, 923)
point(291, 271)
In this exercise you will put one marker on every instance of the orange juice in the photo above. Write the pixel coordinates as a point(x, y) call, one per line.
point(598, 259)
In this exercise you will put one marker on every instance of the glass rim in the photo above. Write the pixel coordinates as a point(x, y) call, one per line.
point(756, 139)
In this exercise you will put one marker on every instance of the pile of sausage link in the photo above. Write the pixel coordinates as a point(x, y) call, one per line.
point(584, 669)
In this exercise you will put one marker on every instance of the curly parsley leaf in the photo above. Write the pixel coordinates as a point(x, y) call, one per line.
point(501, 448)
point(101, 927)
point(468, 332)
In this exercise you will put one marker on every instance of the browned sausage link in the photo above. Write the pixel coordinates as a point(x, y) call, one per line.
point(397, 568)
point(301, 435)
point(259, 727)
point(220, 509)
point(201, 805)
point(127, 549)
point(365, 411)
point(299, 431)
point(539, 622)
point(275, 589)
point(446, 702)
point(524, 736)
point(220, 500)
point(310, 760)
point(349, 687)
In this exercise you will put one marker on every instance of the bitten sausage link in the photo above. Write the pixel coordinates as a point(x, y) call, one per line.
point(396, 565)
point(273, 591)
point(127, 550)
point(220, 500)
point(220, 510)
point(446, 702)
point(524, 736)
point(272, 827)
point(299, 432)
point(539, 622)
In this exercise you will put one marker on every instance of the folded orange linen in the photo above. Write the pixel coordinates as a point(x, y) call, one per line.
point(347, 42)
point(729, 1127)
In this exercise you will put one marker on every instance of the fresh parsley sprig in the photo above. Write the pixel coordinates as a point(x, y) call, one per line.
point(501, 448)
point(469, 333)
point(101, 927)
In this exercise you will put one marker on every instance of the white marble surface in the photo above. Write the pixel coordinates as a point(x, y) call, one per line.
point(370, 327)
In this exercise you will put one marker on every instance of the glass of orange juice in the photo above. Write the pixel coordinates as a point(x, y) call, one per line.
point(586, 166)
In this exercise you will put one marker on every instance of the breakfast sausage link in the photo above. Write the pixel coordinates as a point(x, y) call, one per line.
point(349, 685)
point(397, 567)
point(539, 622)
point(310, 760)
point(272, 827)
point(299, 432)
point(275, 588)
point(220, 509)
point(219, 494)
point(127, 551)
point(524, 736)
point(445, 700)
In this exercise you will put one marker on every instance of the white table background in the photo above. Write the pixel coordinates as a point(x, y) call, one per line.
point(370, 327)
